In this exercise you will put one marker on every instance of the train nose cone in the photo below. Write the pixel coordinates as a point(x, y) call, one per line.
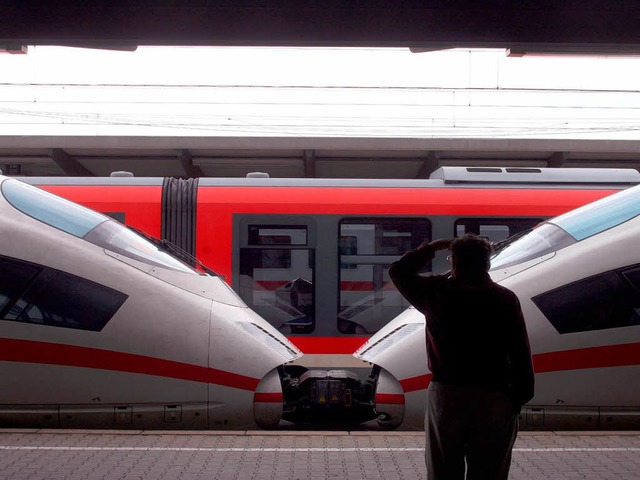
point(389, 401)
point(268, 401)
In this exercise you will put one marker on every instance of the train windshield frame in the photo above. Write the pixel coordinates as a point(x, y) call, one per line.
point(88, 225)
point(569, 228)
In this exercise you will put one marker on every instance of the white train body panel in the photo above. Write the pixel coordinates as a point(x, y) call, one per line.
point(585, 379)
point(182, 350)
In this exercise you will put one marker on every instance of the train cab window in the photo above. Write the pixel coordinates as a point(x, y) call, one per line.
point(368, 299)
point(277, 276)
point(496, 230)
point(607, 300)
point(88, 225)
point(55, 298)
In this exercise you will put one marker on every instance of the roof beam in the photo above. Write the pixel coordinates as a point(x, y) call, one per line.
point(557, 160)
point(186, 160)
point(69, 165)
point(310, 163)
point(429, 165)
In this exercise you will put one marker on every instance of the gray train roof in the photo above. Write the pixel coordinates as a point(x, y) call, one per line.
point(450, 176)
point(298, 157)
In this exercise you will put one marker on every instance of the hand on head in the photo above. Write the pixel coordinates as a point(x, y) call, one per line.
point(441, 244)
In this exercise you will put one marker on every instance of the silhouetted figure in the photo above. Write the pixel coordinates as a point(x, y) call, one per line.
point(479, 356)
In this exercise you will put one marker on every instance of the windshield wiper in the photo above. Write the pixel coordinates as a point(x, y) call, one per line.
point(175, 251)
point(185, 256)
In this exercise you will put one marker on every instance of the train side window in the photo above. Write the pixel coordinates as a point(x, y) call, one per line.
point(55, 298)
point(633, 277)
point(15, 276)
point(368, 299)
point(348, 245)
point(277, 275)
point(260, 235)
point(495, 229)
point(600, 302)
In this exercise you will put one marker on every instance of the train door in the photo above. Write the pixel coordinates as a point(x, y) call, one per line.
point(276, 270)
point(325, 275)
point(368, 300)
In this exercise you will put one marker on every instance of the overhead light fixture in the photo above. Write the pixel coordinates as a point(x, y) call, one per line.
point(14, 49)
point(592, 50)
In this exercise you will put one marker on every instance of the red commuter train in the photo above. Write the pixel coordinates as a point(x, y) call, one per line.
point(311, 256)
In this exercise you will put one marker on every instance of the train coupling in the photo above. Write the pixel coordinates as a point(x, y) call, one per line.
point(327, 398)
point(340, 398)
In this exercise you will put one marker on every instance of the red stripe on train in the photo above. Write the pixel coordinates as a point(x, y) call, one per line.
point(389, 398)
point(265, 397)
point(624, 355)
point(13, 350)
point(421, 382)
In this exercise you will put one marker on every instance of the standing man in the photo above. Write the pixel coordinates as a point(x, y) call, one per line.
point(479, 356)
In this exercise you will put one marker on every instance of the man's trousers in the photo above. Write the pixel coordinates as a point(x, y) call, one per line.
point(472, 425)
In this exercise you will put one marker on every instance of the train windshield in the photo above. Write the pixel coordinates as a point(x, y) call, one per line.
point(119, 239)
point(602, 215)
point(87, 224)
point(570, 228)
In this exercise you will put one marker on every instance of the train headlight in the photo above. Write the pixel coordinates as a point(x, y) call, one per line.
point(371, 350)
point(283, 347)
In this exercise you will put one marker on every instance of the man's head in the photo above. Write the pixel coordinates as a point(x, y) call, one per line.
point(470, 255)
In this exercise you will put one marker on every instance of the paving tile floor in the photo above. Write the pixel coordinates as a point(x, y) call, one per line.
point(148, 455)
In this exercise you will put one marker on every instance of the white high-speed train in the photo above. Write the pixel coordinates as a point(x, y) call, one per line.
point(578, 280)
point(101, 328)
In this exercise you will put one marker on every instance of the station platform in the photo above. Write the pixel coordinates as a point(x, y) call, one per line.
point(257, 455)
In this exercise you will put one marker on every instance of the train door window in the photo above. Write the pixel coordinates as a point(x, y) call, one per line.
point(495, 229)
point(607, 300)
point(277, 274)
point(368, 299)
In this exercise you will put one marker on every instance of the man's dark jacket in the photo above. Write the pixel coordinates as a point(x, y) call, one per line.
point(476, 335)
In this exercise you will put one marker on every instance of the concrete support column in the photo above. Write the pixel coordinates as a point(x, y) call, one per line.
point(431, 163)
point(557, 160)
point(310, 163)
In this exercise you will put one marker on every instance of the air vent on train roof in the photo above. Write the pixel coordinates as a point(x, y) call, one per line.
point(121, 174)
point(499, 175)
point(257, 175)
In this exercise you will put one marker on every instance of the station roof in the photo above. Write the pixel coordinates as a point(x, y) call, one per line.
point(586, 25)
point(287, 157)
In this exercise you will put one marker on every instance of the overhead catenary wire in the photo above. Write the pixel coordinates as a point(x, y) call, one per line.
point(366, 116)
